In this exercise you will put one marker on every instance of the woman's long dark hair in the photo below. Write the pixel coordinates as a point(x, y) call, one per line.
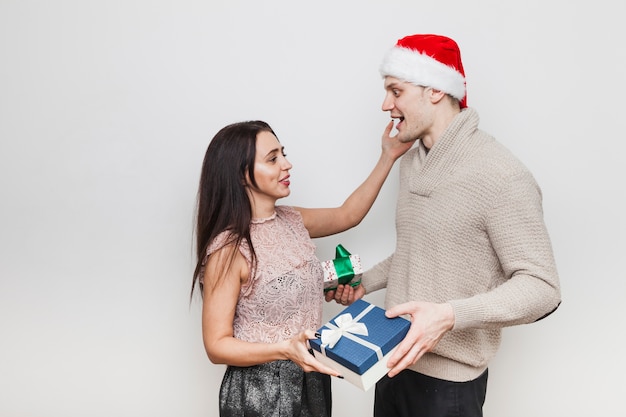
point(223, 203)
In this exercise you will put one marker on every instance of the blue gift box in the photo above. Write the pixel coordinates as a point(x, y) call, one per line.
point(363, 339)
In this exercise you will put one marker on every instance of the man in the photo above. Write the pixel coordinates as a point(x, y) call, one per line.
point(472, 253)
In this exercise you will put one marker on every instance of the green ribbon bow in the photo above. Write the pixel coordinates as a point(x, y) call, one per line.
point(343, 266)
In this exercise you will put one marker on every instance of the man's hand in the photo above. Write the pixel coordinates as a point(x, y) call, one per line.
point(429, 322)
point(345, 294)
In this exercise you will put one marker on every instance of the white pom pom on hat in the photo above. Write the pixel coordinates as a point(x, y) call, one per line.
point(430, 61)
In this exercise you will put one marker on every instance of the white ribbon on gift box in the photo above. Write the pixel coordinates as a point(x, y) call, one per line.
point(348, 327)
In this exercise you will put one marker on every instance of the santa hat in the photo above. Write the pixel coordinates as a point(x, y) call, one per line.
point(430, 61)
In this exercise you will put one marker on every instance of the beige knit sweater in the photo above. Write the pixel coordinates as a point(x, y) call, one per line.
point(470, 232)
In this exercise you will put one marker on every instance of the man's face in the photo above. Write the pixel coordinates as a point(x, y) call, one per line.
point(410, 105)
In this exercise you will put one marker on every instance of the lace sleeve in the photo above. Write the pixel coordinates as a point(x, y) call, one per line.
point(219, 242)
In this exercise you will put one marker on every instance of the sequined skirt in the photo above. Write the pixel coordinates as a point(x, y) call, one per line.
point(274, 389)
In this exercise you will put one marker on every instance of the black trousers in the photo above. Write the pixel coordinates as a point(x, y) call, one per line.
point(411, 394)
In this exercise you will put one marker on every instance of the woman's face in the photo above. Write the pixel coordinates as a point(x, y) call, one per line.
point(271, 170)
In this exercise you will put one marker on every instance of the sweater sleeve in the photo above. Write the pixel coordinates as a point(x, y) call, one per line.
point(530, 289)
point(376, 277)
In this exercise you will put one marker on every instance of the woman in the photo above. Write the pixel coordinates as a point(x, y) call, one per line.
point(261, 282)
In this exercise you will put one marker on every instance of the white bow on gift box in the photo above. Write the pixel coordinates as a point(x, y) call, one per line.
point(345, 325)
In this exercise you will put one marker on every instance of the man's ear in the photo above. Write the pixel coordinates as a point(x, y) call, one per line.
point(436, 95)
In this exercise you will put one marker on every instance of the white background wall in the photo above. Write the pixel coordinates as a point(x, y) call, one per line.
point(106, 109)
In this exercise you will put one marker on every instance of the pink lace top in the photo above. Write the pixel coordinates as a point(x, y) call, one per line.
point(284, 294)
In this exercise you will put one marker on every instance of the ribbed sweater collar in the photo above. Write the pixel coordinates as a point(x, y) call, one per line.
point(455, 145)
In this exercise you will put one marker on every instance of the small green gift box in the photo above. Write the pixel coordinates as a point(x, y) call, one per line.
point(344, 269)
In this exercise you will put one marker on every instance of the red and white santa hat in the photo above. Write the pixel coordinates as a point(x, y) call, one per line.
point(430, 61)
